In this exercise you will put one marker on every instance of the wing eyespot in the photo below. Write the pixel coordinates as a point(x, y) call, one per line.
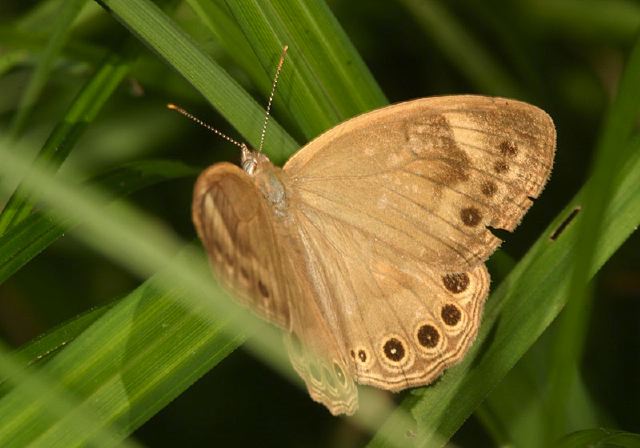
point(508, 148)
point(501, 167)
point(456, 282)
point(395, 352)
point(450, 314)
point(489, 188)
point(339, 373)
point(470, 216)
point(429, 338)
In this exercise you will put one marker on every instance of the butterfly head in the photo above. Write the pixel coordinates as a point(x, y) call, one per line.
point(252, 160)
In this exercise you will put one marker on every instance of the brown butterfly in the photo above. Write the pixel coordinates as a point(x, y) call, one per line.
point(368, 247)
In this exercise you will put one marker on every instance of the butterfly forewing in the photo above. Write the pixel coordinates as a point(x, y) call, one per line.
point(428, 176)
point(234, 223)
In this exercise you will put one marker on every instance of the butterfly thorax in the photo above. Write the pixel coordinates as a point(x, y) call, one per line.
point(268, 178)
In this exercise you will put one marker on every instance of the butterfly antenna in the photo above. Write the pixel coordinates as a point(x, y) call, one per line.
point(195, 119)
point(273, 91)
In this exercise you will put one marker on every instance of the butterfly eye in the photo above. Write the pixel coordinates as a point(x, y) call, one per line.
point(249, 165)
point(450, 314)
point(456, 283)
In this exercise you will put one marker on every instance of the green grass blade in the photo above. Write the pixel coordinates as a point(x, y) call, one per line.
point(126, 366)
point(33, 235)
point(46, 346)
point(67, 13)
point(324, 80)
point(609, 158)
point(12, 58)
point(218, 19)
point(37, 387)
point(57, 147)
point(515, 412)
point(600, 437)
point(158, 31)
point(462, 49)
point(612, 21)
point(32, 41)
point(518, 311)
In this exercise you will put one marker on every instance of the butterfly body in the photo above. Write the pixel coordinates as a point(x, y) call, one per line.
point(367, 248)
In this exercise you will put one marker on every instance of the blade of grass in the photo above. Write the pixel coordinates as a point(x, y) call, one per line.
point(515, 408)
point(158, 31)
point(600, 437)
point(613, 21)
point(44, 348)
point(66, 15)
point(83, 110)
point(34, 388)
point(37, 232)
point(10, 59)
point(609, 158)
point(324, 80)
point(32, 41)
point(517, 313)
point(462, 49)
point(156, 349)
point(218, 19)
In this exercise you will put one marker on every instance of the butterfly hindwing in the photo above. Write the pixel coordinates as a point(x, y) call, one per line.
point(401, 323)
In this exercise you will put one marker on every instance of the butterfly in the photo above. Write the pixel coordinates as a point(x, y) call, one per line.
point(367, 247)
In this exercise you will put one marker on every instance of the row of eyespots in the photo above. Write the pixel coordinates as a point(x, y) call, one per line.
point(471, 216)
point(318, 370)
point(318, 373)
point(427, 335)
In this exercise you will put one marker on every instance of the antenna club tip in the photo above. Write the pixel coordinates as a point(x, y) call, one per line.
point(172, 106)
point(285, 48)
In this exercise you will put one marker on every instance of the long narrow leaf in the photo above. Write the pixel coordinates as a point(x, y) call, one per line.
point(153, 27)
point(609, 158)
point(324, 80)
point(57, 147)
point(68, 12)
point(38, 231)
